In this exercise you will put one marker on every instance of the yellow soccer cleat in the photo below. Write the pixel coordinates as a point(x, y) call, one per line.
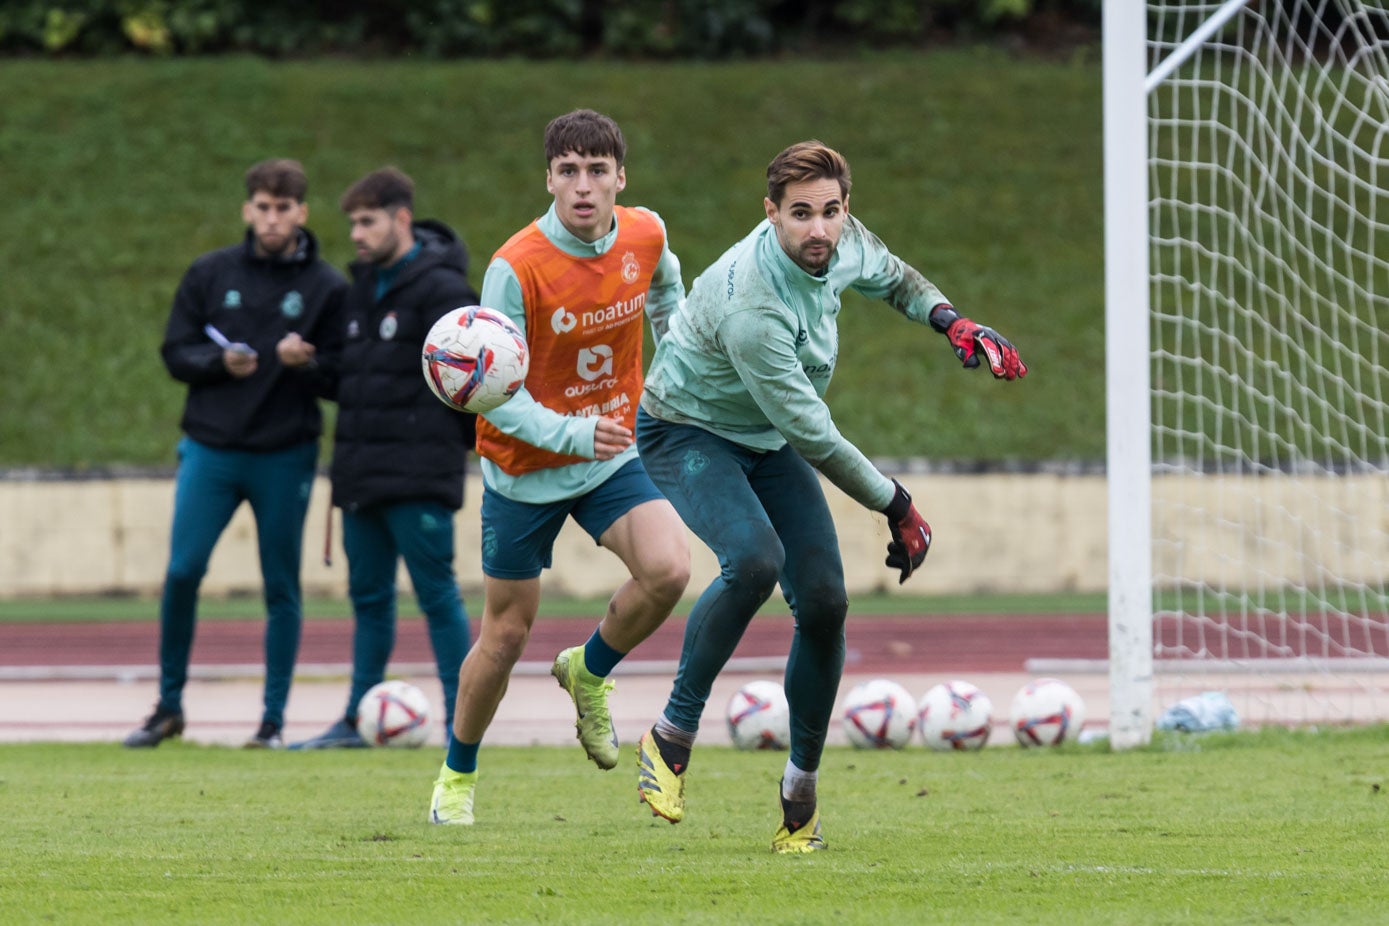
point(453, 797)
point(662, 789)
point(590, 696)
point(805, 838)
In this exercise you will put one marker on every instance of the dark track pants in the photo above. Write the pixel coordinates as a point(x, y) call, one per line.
point(375, 539)
point(211, 484)
point(764, 516)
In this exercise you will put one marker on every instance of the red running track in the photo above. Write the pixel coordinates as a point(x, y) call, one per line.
point(934, 644)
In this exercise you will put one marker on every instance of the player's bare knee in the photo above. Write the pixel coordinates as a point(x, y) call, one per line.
point(666, 582)
point(504, 643)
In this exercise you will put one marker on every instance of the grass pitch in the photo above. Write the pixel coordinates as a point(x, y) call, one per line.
point(1268, 827)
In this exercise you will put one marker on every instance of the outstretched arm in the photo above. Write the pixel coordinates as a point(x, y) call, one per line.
point(886, 276)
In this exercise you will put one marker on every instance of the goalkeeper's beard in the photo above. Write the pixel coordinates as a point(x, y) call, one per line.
point(824, 252)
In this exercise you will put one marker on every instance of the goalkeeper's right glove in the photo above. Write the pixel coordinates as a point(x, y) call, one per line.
point(911, 535)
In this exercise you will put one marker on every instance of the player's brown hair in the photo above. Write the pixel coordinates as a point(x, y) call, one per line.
point(387, 188)
point(587, 133)
point(279, 177)
point(807, 160)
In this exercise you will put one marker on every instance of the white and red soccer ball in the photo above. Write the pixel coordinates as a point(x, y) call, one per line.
point(759, 717)
point(955, 715)
point(393, 713)
point(1046, 712)
point(475, 358)
point(879, 714)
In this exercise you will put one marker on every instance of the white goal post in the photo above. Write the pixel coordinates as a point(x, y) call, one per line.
point(1246, 172)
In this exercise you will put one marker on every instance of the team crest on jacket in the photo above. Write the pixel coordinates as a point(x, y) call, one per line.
point(630, 268)
point(292, 305)
point(232, 299)
point(389, 325)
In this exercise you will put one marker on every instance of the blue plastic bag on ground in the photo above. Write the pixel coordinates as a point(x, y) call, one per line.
point(1209, 710)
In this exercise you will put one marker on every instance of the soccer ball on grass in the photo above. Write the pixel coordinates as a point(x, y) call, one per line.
point(879, 714)
point(955, 715)
point(393, 713)
point(1046, 712)
point(759, 717)
point(474, 359)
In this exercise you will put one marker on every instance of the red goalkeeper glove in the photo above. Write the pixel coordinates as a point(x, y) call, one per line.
point(971, 339)
point(911, 535)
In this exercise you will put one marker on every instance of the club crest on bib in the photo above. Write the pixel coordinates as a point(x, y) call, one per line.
point(631, 269)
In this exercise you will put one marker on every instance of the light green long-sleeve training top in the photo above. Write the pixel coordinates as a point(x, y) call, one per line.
point(535, 424)
point(751, 353)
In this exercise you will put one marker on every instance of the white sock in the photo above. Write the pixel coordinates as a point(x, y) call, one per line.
point(798, 785)
point(673, 734)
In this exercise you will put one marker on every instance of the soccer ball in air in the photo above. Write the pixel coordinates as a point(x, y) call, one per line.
point(880, 714)
point(393, 713)
point(955, 715)
point(475, 358)
point(1046, 712)
point(759, 717)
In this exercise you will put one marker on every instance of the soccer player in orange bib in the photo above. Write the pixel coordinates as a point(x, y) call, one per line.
point(579, 281)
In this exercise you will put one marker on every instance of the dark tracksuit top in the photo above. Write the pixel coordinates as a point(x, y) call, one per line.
point(257, 300)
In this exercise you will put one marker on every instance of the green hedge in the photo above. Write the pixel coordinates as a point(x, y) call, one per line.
point(531, 28)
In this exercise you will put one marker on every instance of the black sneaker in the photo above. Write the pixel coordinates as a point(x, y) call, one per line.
point(158, 727)
point(341, 735)
point(267, 737)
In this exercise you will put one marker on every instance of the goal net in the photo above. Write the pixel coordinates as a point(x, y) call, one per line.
point(1268, 251)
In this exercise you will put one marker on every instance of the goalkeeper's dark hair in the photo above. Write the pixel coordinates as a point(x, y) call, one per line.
point(388, 188)
point(807, 160)
point(281, 177)
point(587, 133)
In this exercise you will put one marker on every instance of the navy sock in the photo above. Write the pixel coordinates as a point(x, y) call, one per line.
point(462, 757)
point(600, 658)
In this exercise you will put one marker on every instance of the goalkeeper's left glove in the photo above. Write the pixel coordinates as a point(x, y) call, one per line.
point(911, 535)
point(970, 339)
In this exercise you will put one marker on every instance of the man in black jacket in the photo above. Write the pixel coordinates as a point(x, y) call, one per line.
point(254, 331)
point(398, 456)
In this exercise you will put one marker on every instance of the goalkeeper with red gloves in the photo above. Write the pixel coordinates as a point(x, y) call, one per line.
point(732, 428)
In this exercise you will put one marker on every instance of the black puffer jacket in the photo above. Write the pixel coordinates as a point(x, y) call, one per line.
point(395, 440)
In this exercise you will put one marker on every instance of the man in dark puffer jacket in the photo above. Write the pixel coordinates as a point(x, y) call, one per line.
point(398, 456)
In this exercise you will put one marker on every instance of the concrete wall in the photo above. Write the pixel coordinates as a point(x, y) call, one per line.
point(1007, 532)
